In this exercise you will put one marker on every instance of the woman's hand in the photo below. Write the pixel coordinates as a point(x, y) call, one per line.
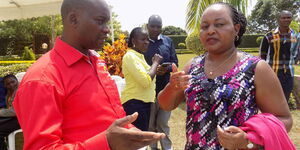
point(232, 138)
point(178, 79)
point(156, 59)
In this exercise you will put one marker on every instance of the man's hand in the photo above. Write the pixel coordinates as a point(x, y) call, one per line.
point(161, 70)
point(120, 138)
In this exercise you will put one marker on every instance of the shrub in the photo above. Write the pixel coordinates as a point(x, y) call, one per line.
point(113, 54)
point(181, 46)
point(28, 54)
point(193, 43)
point(249, 41)
point(259, 39)
point(183, 51)
point(177, 39)
point(292, 102)
point(14, 69)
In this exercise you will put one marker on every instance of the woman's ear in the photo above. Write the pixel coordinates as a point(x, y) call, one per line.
point(237, 28)
point(133, 42)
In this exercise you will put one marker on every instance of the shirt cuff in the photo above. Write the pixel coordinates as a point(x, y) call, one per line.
point(97, 142)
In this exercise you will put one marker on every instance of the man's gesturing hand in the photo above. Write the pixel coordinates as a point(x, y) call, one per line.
point(120, 138)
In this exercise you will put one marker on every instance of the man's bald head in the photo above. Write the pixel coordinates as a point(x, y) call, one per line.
point(155, 20)
point(85, 23)
point(285, 18)
point(71, 5)
point(284, 12)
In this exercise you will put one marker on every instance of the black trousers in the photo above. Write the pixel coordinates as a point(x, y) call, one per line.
point(133, 105)
point(7, 125)
point(287, 83)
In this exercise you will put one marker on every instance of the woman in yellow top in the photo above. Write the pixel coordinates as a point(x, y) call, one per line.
point(139, 91)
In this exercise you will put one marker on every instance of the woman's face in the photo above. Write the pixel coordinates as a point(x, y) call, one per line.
point(217, 31)
point(141, 41)
point(10, 83)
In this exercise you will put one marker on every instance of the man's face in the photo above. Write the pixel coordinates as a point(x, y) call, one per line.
point(93, 25)
point(285, 19)
point(154, 29)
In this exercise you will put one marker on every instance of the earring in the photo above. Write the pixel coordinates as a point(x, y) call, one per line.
point(237, 37)
point(133, 45)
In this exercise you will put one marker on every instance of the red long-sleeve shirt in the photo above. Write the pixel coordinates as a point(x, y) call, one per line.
point(66, 101)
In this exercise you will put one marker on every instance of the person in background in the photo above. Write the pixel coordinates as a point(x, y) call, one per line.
point(139, 91)
point(224, 89)
point(280, 49)
point(162, 45)
point(8, 119)
point(67, 99)
point(2, 93)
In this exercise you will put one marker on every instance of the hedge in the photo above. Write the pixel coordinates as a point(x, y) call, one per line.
point(177, 39)
point(183, 51)
point(13, 69)
point(249, 40)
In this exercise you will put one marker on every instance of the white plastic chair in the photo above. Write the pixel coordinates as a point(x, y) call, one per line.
point(11, 139)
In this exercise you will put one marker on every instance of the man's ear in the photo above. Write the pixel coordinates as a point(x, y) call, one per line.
point(73, 19)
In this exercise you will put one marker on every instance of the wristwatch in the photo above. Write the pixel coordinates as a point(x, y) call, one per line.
point(250, 145)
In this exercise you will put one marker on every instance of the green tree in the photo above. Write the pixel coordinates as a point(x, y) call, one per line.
point(295, 26)
point(265, 13)
point(172, 30)
point(15, 34)
point(195, 9)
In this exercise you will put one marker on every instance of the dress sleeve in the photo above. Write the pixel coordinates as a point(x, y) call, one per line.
point(39, 110)
point(137, 70)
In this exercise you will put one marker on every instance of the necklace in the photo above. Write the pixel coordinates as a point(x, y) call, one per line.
point(213, 70)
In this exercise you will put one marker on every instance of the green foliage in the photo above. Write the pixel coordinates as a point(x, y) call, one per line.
point(181, 46)
point(171, 30)
point(295, 26)
point(193, 43)
point(292, 102)
point(116, 28)
point(28, 54)
point(13, 69)
point(265, 13)
point(183, 51)
point(177, 39)
point(249, 40)
point(259, 39)
point(195, 9)
point(15, 34)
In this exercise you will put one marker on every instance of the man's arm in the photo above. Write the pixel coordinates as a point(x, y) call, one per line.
point(173, 55)
point(39, 110)
point(264, 46)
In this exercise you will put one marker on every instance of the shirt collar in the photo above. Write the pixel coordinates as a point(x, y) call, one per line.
point(67, 52)
point(278, 31)
point(158, 38)
point(136, 53)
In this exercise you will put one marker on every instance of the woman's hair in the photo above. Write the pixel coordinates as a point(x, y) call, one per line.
point(9, 76)
point(237, 18)
point(133, 34)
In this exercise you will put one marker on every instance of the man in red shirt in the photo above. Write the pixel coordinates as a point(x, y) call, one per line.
point(67, 99)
